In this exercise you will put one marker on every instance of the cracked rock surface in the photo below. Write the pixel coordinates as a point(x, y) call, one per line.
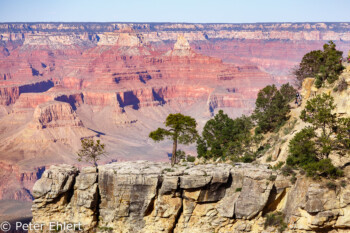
point(154, 197)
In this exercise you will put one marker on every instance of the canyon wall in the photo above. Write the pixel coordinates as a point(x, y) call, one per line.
point(61, 82)
point(154, 197)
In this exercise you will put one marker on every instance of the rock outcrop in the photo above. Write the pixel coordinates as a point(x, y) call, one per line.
point(154, 197)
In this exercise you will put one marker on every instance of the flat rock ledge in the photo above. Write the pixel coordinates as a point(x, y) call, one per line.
point(145, 196)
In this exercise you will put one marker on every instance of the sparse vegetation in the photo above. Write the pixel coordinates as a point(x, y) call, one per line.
point(103, 228)
point(323, 65)
point(277, 166)
point(168, 170)
point(224, 137)
point(293, 179)
point(238, 190)
point(343, 183)
point(180, 155)
point(331, 185)
point(275, 220)
point(190, 158)
point(303, 154)
point(310, 148)
point(181, 129)
point(287, 171)
point(91, 151)
point(288, 129)
point(272, 107)
point(342, 86)
point(272, 177)
point(319, 112)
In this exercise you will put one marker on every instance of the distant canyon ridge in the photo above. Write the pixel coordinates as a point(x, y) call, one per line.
point(60, 82)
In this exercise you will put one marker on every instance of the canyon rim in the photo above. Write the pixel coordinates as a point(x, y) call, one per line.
point(60, 82)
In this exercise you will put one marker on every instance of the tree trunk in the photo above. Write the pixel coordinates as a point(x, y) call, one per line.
point(173, 156)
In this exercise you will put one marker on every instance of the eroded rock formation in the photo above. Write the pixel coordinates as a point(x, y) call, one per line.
point(121, 81)
point(154, 197)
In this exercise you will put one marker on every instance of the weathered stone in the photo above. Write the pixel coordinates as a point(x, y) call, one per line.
point(252, 199)
point(149, 197)
point(55, 181)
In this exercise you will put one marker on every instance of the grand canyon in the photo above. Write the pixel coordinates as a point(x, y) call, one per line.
point(61, 82)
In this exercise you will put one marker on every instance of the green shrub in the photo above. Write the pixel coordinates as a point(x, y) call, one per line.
point(342, 85)
point(180, 155)
point(190, 158)
point(272, 178)
point(303, 154)
point(287, 171)
point(302, 149)
point(323, 65)
point(238, 190)
point(332, 186)
point(223, 137)
point(293, 179)
point(103, 228)
point(277, 166)
point(269, 159)
point(272, 107)
point(248, 158)
point(343, 183)
point(275, 220)
point(168, 170)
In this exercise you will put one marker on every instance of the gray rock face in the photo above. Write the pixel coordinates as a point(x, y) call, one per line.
point(57, 180)
point(65, 195)
point(154, 197)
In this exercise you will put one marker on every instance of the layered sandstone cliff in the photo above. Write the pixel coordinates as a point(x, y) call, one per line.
point(154, 197)
point(60, 82)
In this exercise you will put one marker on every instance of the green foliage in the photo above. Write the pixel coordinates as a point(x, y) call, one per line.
point(293, 179)
point(318, 112)
point(331, 185)
point(272, 107)
point(168, 170)
point(224, 137)
point(190, 158)
point(303, 154)
point(309, 66)
point(302, 148)
point(343, 135)
point(269, 159)
point(238, 190)
point(181, 129)
point(324, 65)
point(180, 154)
point(287, 171)
point(262, 149)
point(91, 151)
point(272, 178)
point(330, 133)
point(275, 220)
point(105, 228)
point(277, 166)
point(288, 92)
point(342, 85)
point(343, 183)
